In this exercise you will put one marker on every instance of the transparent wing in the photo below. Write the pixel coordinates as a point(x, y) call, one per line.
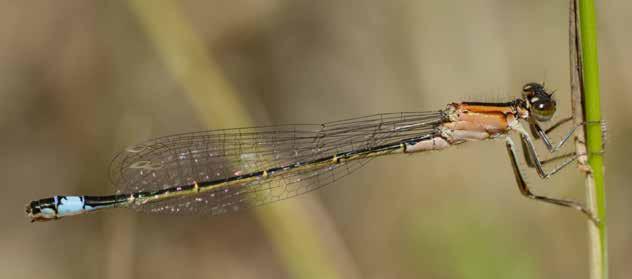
point(238, 197)
point(183, 159)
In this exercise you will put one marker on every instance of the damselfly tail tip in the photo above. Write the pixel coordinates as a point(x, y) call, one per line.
point(29, 210)
point(40, 210)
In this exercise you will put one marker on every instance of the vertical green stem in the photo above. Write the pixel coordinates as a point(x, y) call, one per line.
point(594, 140)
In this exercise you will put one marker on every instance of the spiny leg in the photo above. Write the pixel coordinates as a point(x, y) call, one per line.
point(550, 146)
point(557, 158)
point(530, 161)
point(547, 160)
point(526, 154)
point(527, 143)
point(557, 124)
point(538, 132)
point(525, 191)
point(548, 130)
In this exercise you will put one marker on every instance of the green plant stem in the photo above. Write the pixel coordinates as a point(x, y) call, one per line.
point(594, 140)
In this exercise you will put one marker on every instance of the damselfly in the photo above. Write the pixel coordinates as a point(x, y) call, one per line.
point(214, 172)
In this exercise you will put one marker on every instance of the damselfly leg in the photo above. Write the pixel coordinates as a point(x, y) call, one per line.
point(532, 159)
point(538, 133)
point(525, 191)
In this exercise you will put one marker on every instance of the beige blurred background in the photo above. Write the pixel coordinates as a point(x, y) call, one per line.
point(79, 80)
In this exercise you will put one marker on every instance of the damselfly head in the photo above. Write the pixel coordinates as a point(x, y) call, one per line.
point(540, 102)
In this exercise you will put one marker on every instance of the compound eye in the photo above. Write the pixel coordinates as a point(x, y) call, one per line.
point(543, 110)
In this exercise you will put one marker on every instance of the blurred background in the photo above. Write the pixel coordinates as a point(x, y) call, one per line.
point(80, 80)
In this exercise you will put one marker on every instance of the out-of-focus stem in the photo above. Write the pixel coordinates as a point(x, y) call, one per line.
point(293, 231)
